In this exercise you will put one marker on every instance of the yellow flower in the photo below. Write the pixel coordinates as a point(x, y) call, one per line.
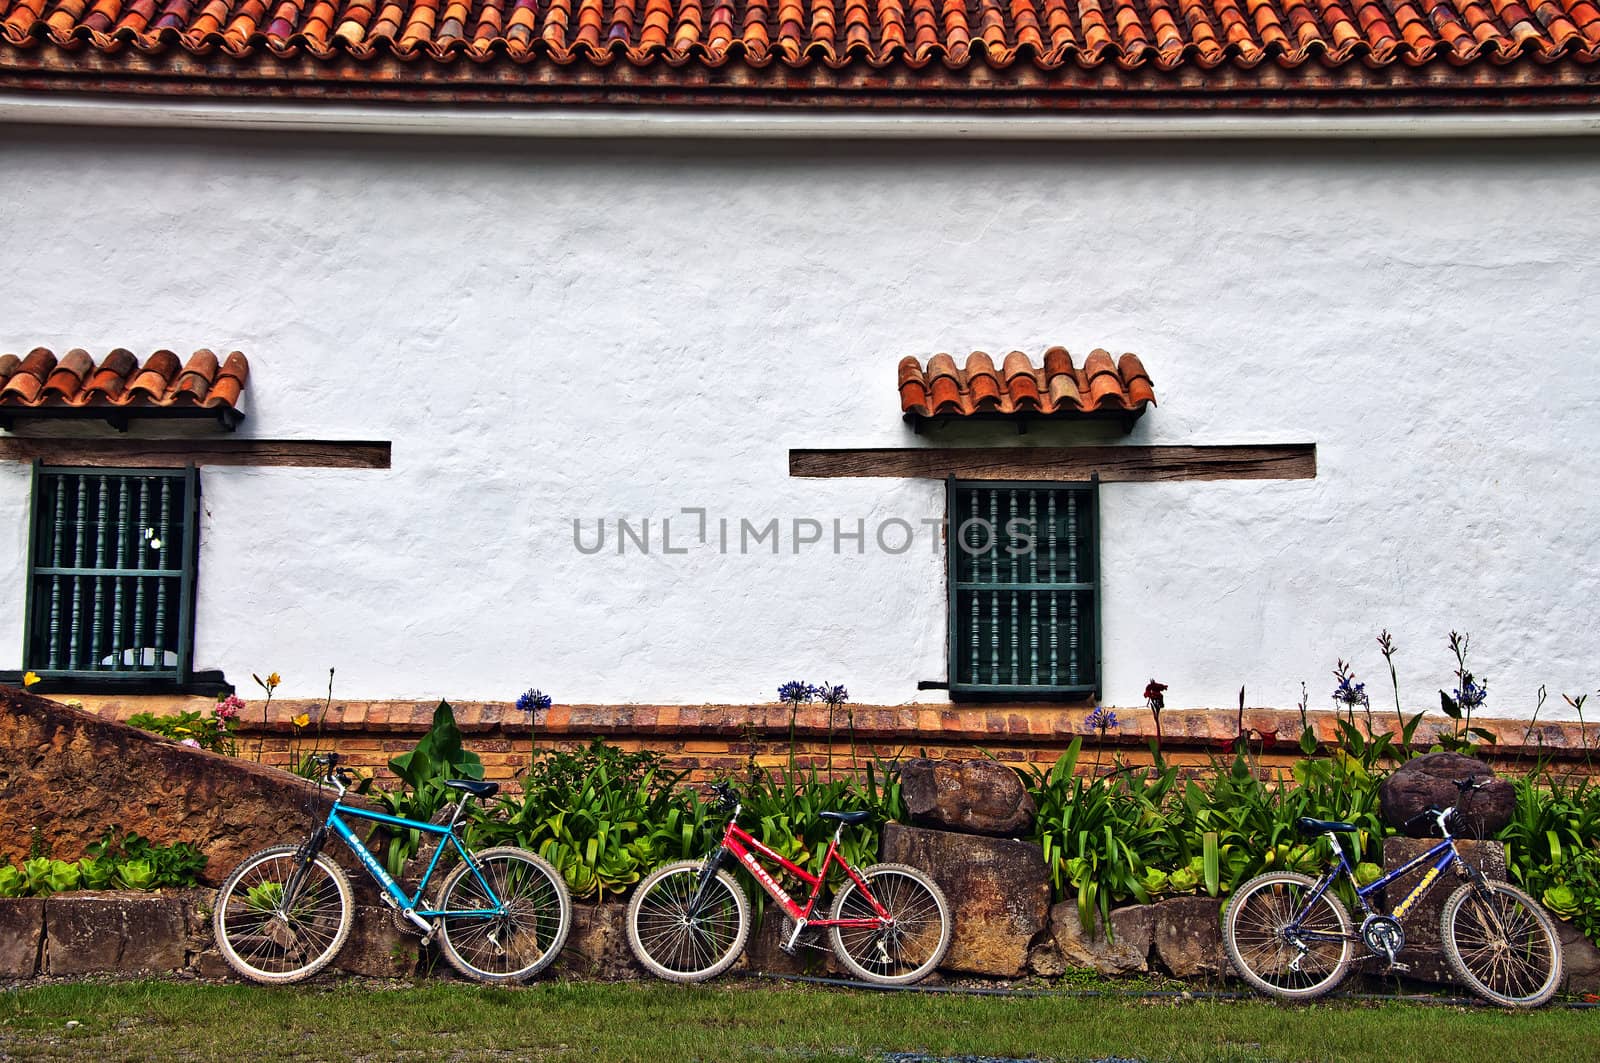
point(273, 680)
point(30, 678)
point(302, 719)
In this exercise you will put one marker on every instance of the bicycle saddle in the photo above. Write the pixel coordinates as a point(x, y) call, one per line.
point(1307, 825)
point(849, 819)
point(473, 787)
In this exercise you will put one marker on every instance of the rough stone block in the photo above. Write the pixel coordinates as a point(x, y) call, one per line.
point(1126, 950)
point(1421, 923)
point(377, 947)
point(597, 946)
point(117, 932)
point(21, 934)
point(1430, 781)
point(998, 889)
point(1187, 935)
point(1580, 960)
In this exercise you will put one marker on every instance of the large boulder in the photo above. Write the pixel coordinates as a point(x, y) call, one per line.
point(1431, 781)
point(1424, 953)
point(597, 946)
point(998, 889)
point(124, 933)
point(970, 796)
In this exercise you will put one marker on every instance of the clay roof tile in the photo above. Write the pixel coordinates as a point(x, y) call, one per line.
point(1057, 388)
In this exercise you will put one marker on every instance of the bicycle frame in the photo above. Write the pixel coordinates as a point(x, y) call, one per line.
point(745, 848)
point(1444, 855)
point(407, 903)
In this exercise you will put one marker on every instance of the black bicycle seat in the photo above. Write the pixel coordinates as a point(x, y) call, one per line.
point(1307, 825)
point(849, 819)
point(474, 787)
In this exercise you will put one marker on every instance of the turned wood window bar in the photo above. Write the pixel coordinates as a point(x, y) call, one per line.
point(111, 579)
point(1024, 561)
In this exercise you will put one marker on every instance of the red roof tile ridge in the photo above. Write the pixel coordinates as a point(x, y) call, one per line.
point(1020, 387)
point(40, 380)
point(1044, 34)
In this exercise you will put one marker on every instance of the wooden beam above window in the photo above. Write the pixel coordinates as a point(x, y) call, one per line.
point(1113, 464)
point(176, 453)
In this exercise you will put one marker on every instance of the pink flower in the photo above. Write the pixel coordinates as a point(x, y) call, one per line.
point(229, 707)
point(190, 742)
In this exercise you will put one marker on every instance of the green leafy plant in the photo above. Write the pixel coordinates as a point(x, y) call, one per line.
point(438, 757)
point(194, 728)
point(12, 882)
point(136, 875)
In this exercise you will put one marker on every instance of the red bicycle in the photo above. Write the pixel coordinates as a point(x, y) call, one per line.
point(689, 920)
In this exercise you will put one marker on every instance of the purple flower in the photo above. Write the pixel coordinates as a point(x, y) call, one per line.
point(795, 692)
point(1471, 695)
point(191, 743)
point(229, 707)
point(1101, 719)
point(831, 695)
point(1348, 693)
point(533, 699)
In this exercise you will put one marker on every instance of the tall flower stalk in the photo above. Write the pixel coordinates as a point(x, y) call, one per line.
point(794, 694)
point(1155, 697)
point(268, 684)
point(1099, 722)
point(531, 701)
point(835, 695)
point(1387, 648)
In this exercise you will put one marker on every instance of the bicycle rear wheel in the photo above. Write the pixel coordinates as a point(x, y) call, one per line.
point(682, 944)
point(1263, 933)
point(270, 937)
point(528, 932)
point(908, 946)
point(1501, 944)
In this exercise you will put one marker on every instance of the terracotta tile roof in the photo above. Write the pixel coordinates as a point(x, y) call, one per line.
point(877, 45)
point(39, 384)
point(1020, 387)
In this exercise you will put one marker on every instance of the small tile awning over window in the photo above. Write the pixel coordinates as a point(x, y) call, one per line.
point(1019, 389)
point(119, 388)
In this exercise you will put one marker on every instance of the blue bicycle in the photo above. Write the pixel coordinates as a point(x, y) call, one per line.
point(501, 914)
point(1290, 936)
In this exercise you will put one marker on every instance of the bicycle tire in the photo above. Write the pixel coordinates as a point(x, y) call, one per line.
point(1253, 934)
point(909, 948)
point(1516, 962)
point(267, 945)
point(519, 944)
point(675, 946)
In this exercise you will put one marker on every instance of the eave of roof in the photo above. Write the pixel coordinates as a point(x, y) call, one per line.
point(1117, 55)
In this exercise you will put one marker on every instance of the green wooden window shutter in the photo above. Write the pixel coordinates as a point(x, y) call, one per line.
point(111, 573)
point(1024, 571)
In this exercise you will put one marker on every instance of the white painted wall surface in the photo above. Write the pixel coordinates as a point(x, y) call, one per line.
point(552, 330)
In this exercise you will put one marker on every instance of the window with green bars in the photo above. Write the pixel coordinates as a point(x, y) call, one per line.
point(111, 574)
point(1024, 588)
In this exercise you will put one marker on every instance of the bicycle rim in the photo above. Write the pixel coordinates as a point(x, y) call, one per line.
point(908, 946)
point(534, 917)
point(1501, 945)
point(266, 935)
point(1265, 933)
point(683, 945)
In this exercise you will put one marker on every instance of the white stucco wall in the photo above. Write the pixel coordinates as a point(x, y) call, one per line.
point(550, 330)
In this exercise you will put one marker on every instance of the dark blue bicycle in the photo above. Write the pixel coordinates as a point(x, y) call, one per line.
point(1290, 936)
point(501, 915)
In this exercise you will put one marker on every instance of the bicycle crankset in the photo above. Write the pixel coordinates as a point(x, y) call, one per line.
point(1384, 936)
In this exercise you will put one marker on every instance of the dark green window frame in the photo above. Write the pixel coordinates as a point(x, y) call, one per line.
point(111, 576)
point(1024, 617)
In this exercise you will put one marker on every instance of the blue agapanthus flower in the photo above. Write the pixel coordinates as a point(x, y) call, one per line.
point(1348, 693)
point(795, 692)
point(834, 695)
point(1472, 694)
point(532, 700)
point(1101, 719)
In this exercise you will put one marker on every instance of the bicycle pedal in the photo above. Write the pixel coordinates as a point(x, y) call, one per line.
point(1397, 968)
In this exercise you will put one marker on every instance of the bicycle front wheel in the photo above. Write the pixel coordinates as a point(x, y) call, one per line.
point(679, 941)
point(1501, 944)
point(903, 948)
point(270, 936)
point(515, 938)
point(1283, 944)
